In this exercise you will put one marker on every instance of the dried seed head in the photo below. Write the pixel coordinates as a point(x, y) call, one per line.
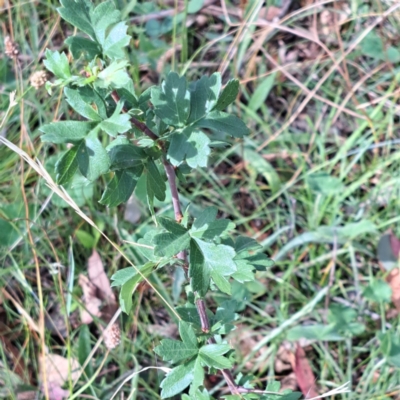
point(112, 336)
point(10, 48)
point(38, 79)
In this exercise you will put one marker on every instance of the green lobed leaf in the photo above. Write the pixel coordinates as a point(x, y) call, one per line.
point(221, 282)
point(92, 157)
point(244, 243)
point(171, 243)
point(168, 244)
point(189, 314)
point(212, 356)
point(199, 276)
point(213, 229)
point(172, 101)
point(155, 183)
point(228, 95)
point(260, 261)
point(222, 122)
point(124, 156)
point(373, 46)
point(77, 13)
point(117, 123)
point(127, 95)
point(318, 332)
point(147, 248)
point(198, 376)
point(272, 386)
point(208, 215)
point(58, 64)
point(76, 101)
point(198, 155)
point(379, 291)
point(145, 98)
point(172, 226)
point(95, 98)
point(245, 271)
point(100, 23)
point(115, 42)
point(66, 131)
point(390, 347)
point(85, 47)
point(119, 189)
point(155, 28)
point(67, 166)
point(325, 184)
point(114, 75)
point(226, 312)
point(341, 315)
point(193, 147)
point(149, 194)
point(203, 96)
point(177, 380)
point(102, 17)
point(175, 350)
point(187, 334)
point(218, 260)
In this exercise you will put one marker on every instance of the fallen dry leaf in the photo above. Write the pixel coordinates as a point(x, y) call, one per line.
point(289, 382)
point(27, 395)
point(393, 279)
point(270, 13)
point(90, 299)
point(388, 255)
point(395, 244)
point(304, 374)
point(283, 360)
point(96, 290)
point(57, 370)
point(99, 278)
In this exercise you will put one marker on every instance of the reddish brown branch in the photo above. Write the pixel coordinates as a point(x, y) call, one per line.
point(140, 125)
point(171, 176)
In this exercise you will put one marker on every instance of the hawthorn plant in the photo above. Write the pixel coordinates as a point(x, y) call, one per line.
point(157, 137)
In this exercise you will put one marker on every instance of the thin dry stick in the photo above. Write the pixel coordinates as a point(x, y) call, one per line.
point(353, 90)
point(306, 90)
point(327, 75)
